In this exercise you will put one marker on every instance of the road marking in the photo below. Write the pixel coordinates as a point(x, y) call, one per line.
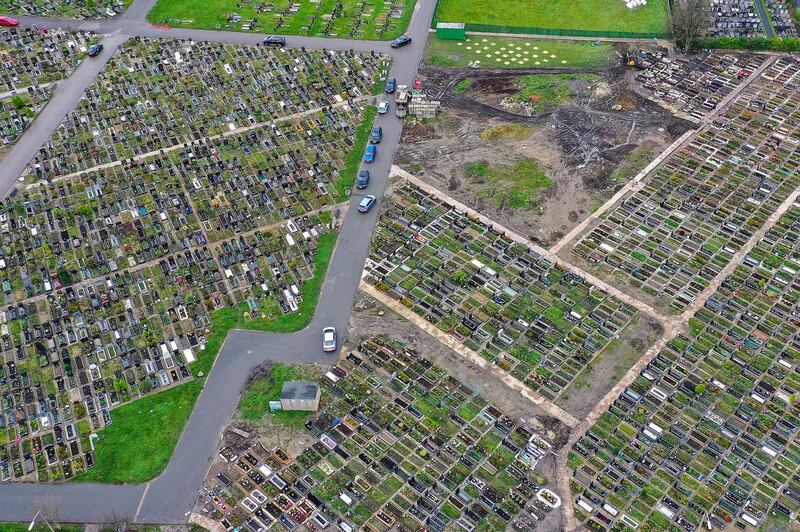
point(141, 501)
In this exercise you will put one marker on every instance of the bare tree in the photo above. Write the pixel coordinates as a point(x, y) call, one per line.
point(689, 21)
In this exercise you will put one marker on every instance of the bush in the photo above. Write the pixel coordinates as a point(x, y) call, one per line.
point(788, 44)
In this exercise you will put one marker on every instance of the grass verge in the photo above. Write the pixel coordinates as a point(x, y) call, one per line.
point(480, 50)
point(353, 160)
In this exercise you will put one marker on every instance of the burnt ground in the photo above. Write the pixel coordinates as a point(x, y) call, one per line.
point(590, 145)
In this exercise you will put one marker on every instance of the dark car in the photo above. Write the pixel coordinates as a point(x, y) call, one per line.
point(370, 153)
point(363, 179)
point(376, 135)
point(366, 203)
point(401, 41)
point(391, 84)
point(95, 49)
point(274, 40)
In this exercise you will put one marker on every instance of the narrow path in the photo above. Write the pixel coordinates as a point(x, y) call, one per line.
point(637, 182)
point(515, 384)
point(769, 31)
point(549, 255)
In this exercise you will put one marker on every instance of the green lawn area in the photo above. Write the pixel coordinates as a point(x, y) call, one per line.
point(254, 404)
point(350, 22)
point(512, 186)
point(137, 445)
point(597, 15)
point(486, 51)
point(546, 90)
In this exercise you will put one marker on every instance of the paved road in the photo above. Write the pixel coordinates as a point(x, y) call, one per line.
point(167, 498)
point(769, 31)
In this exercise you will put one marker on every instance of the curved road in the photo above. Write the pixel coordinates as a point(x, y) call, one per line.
point(168, 498)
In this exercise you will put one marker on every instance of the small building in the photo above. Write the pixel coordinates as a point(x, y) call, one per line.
point(300, 395)
point(452, 31)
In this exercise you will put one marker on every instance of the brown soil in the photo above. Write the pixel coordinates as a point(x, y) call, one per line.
point(579, 144)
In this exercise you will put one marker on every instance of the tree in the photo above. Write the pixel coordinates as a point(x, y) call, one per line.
point(689, 21)
point(699, 389)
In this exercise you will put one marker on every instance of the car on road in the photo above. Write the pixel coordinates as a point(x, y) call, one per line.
point(274, 40)
point(329, 339)
point(383, 107)
point(95, 49)
point(8, 21)
point(376, 135)
point(391, 85)
point(401, 41)
point(366, 203)
point(363, 179)
point(370, 153)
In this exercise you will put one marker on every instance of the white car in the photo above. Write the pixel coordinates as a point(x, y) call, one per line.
point(328, 339)
point(383, 107)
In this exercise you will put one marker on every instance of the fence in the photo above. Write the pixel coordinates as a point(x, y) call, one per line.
point(531, 30)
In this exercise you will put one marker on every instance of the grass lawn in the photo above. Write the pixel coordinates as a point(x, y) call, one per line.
point(138, 444)
point(512, 186)
point(547, 90)
point(254, 404)
point(598, 15)
point(374, 22)
point(488, 52)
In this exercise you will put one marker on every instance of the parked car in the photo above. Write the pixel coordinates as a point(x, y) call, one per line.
point(370, 153)
point(366, 203)
point(363, 179)
point(329, 339)
point(95, 49)
point(8, 21)
point(274, 40)
point(376, 135)
point(383, 107)
point(401, 41)
point(391, 85)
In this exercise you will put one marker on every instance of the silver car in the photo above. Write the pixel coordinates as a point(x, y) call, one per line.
point(328, 339)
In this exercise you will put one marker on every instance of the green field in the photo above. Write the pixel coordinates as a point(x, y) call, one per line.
point(597, 15)
point(309, 17)
point(497, 52)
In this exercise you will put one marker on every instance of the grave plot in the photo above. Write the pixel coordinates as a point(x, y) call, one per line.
point(80, 9)
point(735, 18)
point(695, 86)
point(160, 94)
point(268, 174)
point(671, 237)
point(708, 432)
point(33, 63)
point(542, 324)
point(350, 19)
point(781, 18)
point(398, 444)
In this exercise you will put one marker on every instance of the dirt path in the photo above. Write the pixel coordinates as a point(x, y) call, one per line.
point(636, 183)
point(643, 307)
point(469, 354)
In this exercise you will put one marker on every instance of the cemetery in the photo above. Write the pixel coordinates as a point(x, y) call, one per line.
point(79, 9)
point(693, 87)
point(34, 62)
point(118, 251)
point(735, 18)
point(398, 443)
point(157, 95)
point(349, 19)
point(707, 433)
point(669, 238)
point(542, 324)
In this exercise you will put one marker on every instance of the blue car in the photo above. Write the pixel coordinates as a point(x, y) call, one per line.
point(363, 179)
point(370, 154)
